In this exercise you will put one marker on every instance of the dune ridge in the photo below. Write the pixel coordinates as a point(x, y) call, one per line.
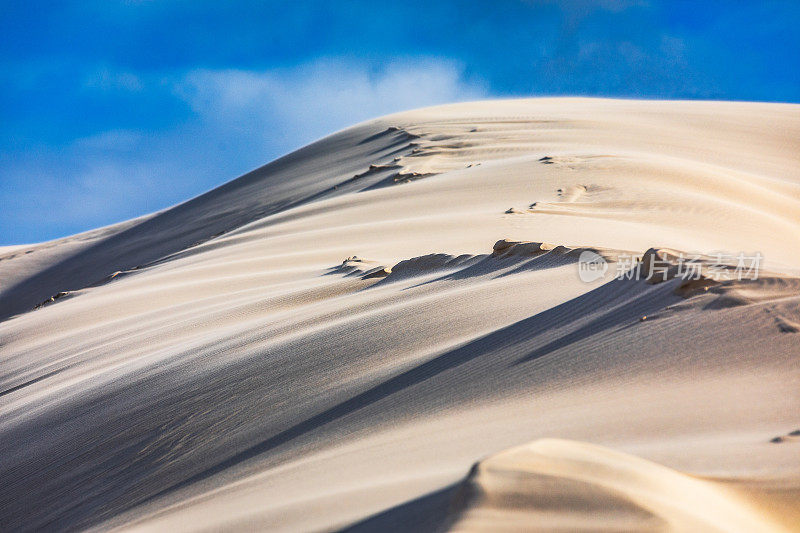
point(337, 337)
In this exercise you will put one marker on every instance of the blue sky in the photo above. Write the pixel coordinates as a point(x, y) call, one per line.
point(110, 110)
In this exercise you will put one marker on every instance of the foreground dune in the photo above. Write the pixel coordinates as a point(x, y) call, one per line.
point(387, 330)
point(555, 485)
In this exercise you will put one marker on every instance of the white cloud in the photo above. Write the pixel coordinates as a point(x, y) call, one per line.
point(303, 103)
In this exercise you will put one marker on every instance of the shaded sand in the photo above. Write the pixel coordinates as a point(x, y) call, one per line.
point(336, 338)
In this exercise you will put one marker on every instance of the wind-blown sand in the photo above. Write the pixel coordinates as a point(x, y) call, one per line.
point(386, 330)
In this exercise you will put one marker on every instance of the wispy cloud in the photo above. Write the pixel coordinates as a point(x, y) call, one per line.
point(311, 100)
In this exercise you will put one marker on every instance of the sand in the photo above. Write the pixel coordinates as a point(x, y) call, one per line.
point(387, 330)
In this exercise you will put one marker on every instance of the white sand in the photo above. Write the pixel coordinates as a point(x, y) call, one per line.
point(217, 364)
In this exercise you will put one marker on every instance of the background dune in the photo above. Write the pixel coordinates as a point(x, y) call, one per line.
point(334, 339)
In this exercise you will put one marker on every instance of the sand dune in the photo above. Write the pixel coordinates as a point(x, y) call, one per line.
point(333, 340)
point(558, 485)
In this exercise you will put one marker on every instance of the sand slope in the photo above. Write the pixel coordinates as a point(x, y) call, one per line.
point(333, 340)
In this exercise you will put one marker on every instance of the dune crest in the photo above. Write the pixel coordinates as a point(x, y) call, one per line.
point(558, 485)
